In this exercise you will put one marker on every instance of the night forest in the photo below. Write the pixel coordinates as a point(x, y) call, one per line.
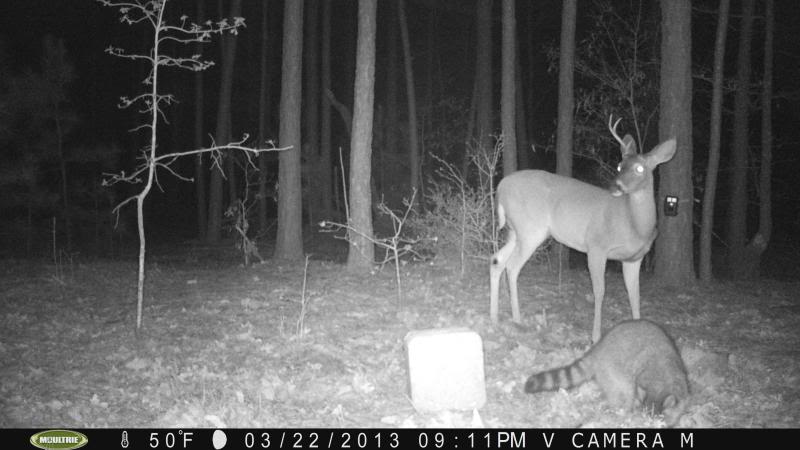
point(232, 213)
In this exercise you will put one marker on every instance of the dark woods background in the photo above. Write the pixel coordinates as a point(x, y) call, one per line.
point(95, 137)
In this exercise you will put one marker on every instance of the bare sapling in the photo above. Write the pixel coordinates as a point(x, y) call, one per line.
point(152, 103)
point(460, 213)
point(396, 246)
point(239, 213)
point(617, 223)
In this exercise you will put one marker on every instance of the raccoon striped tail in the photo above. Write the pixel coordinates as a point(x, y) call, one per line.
point(564, 377)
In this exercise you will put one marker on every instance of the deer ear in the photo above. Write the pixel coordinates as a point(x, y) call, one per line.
point(627, 146)
point(662, 153)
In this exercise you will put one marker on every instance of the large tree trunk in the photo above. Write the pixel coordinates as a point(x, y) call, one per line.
point(311, 109)
point(566, 93)
point(390, 129)
point(707, 225)
point(674, 256)
point(326, 167)
point(223, 131)
point(289, 240)
point(413, 135)
point(750, 267)
point(361, 255)
point(508, 100)
point(263, 115)
point(483, 73)
point(199, 170)
point(737, 211)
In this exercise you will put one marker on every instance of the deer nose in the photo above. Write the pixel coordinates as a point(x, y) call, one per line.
point(617, 188)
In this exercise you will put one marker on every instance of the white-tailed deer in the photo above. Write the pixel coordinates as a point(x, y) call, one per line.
point(618, 224)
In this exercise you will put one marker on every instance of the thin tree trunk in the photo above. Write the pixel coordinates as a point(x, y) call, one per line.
point(263, 115)
point(470, 136)
point(413, 135)
point(361, 255)
point(426, 168)
point(63, 168)
point(508, 106)
point(289, 241)
point(390, 124)
point(566, 102)
point(765, 177)
point(760, 241)
point(199, 170)
point(483, 72)
point(523, 145)
point(737, 211)
point(231, 168)
point(311, 107)
point(223, 131)
point(674, 251)
point(566, 93)
point(325, 159)
point(707, 225)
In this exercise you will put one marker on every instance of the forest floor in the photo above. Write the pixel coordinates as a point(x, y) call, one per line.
point(224, 345)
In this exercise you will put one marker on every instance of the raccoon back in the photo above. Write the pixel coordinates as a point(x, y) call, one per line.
point(636, 362)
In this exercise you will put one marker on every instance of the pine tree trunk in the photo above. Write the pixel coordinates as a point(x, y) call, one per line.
point(737, 211)
point(231, 167)
point(289, 240)
point(523, 145)
point(566, 102)
point(757, 246)
point(361, 255)
point(709, 194)
point(199, 170)
point(390, 131)
point(566, 93)
point(765, 176)
point(674, 252)
point(483, 73)
point(223, 131)
point(63, 168)
point(263, 115)
point(325, 158)
point(311, 108)
point(413, 135)
point(508, 106)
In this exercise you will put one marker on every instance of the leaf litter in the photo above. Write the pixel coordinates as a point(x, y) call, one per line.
point(220, 347)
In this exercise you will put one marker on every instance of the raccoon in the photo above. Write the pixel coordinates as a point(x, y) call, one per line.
point(635, 363)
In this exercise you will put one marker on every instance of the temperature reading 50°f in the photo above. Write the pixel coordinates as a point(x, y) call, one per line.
point(170, 439)
point(498, 439)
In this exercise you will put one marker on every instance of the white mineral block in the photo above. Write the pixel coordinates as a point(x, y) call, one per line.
point(445, 369)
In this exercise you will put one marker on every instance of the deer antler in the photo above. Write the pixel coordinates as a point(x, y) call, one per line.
point(614, 129)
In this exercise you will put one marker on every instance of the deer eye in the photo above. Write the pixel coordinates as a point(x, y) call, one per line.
point(619, 167)
point(639, 169)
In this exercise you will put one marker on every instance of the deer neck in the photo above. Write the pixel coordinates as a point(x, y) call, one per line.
point(642, 210)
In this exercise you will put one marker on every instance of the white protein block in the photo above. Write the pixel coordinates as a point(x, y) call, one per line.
point(445, 369)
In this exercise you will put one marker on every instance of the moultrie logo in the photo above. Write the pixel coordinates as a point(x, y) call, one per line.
point(59, 439)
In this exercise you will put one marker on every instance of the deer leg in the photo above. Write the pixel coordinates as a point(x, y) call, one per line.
point(496, 268)
point(630, 273)
point(522, 253)
point(597, 272)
